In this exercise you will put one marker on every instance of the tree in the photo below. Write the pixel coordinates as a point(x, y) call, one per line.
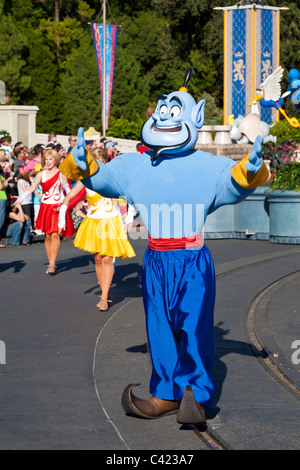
point(80, 88)
point(62, 34)
point(13, 50)
point(212, 114)
point(290, 36)
point(147, 38)
point(49, 60)
point(26, 14)
point(130, 93)
point(186, 21)
point(42, 60)
point(204, 75)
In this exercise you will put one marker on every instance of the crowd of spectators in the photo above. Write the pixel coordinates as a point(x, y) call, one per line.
point(19, 166)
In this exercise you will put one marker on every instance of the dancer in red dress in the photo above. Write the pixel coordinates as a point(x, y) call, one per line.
point(55, 187)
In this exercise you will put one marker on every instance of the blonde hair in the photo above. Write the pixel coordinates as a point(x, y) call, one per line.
point(50, 153)
point(2, 155)
point(100, 154)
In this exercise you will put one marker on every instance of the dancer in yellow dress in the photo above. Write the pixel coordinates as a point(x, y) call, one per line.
point(101, 232)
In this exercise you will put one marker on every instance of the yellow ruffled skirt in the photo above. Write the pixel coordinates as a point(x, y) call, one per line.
point(104, 236)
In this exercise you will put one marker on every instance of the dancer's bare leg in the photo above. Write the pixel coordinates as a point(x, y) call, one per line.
point(106, 280)
point(107, 274)
point(98, 268)
point(52, 245)
point(48, 243)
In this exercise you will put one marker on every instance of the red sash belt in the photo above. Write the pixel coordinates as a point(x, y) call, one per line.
point(167, 244)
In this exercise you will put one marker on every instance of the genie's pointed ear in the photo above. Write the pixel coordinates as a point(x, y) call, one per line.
point(198, 114)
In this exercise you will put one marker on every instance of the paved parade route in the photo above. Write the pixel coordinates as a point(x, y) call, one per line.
point(67, 363)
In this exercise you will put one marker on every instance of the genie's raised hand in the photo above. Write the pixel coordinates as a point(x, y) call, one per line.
point(251, 171)
point(79, 150)
point(255, 160)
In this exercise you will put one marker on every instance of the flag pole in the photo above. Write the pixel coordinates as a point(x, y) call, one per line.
point(104, 72)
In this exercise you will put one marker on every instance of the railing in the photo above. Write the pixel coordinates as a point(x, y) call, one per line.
point(222, 137)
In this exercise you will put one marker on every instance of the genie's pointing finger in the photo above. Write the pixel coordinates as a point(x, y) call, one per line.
point(79, 150)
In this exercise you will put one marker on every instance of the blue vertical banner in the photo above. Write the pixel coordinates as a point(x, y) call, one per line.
point(105, 76)
point(251, 54)
point(239, 61)
point(267, 52)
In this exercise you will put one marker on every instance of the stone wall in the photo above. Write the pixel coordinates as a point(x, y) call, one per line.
point(234, 151)
point(19, 121)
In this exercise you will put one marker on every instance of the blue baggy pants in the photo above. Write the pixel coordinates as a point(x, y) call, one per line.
point(179, 295)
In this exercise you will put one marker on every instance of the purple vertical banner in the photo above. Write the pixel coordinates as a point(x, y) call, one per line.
point(110, 56)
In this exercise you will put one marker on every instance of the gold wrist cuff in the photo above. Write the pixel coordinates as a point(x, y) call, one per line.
point(70, 169)
point(246, 179)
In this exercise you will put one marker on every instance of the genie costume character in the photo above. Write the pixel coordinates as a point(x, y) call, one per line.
point(174, 188)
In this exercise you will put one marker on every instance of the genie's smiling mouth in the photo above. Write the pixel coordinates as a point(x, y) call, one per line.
point(156, 128)
point(164, 147)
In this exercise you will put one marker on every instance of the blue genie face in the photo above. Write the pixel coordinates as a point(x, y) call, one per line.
point(173, 127)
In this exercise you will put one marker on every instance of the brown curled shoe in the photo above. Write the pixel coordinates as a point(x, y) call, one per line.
point(190, 411)
point(150, 408)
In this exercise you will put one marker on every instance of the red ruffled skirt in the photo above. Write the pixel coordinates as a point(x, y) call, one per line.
point(47, 220)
